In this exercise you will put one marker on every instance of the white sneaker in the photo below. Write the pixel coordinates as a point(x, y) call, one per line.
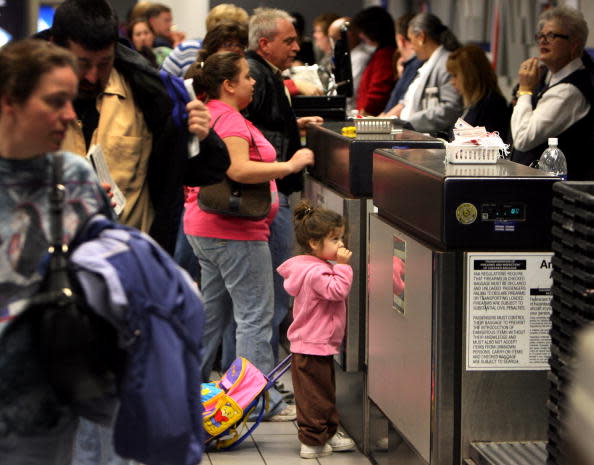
point(289, 413)
point(312, 452)
point(340, 442)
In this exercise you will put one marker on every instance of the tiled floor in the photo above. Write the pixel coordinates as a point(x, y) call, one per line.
point(276, 443)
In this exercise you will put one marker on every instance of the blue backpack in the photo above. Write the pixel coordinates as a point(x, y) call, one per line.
point(179, 94)
point(128, 279)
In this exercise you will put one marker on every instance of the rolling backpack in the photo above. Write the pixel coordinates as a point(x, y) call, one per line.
point(229, 402)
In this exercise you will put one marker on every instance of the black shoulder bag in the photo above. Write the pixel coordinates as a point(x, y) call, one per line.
point(231, 198)
point(76, 347)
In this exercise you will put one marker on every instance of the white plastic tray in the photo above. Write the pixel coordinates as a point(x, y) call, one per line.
point(375, 125)
point(471, 154)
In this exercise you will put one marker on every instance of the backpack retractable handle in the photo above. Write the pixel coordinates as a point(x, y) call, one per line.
point(278, 371)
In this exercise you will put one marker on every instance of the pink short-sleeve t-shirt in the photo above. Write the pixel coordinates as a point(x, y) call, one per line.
point(228, 122)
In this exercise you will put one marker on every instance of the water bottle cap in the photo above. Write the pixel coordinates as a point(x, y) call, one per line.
point(553, 141)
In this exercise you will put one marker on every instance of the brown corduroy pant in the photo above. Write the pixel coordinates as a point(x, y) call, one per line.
point(315, 397)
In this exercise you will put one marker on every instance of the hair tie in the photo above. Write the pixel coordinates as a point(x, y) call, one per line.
point(201, 65)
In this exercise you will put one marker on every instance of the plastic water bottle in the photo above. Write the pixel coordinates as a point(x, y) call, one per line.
point(553, 160)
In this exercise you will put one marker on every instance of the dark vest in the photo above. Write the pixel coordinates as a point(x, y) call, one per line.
point(576, 141)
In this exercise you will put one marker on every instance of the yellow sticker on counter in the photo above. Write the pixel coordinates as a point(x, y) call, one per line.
point(349, 131)
point(466, 213)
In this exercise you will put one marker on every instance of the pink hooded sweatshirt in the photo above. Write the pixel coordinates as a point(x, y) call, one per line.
point(319, 311)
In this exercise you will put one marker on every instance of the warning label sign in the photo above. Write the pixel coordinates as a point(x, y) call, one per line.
point(508, 308)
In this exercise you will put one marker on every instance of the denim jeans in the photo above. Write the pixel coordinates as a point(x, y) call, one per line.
point(94, 446)
point(281, 247)
point(63, 444)
point(50, 447)
point(236, 276)
point(228, 349)
point(184, 255)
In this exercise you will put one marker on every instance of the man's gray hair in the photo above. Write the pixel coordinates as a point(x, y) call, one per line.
point(263, 24)
point(571, 20)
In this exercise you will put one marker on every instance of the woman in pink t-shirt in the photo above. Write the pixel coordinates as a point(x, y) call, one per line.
point(236, 268)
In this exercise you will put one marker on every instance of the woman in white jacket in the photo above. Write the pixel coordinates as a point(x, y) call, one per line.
point(431, 103)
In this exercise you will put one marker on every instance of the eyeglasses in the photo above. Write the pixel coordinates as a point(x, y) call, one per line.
point(549, 36)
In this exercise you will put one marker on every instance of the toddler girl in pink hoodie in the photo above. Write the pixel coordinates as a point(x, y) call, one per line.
point(319, 317)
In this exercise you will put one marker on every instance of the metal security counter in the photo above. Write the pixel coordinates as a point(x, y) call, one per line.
point(345, 163)
point(458, 340)
point(340, 180)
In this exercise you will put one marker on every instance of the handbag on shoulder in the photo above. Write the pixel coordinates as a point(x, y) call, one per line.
point(231, 198)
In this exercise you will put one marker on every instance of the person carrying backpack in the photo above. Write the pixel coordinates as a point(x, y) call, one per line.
point(146, 313)
point(319, 319)
point(38, 82)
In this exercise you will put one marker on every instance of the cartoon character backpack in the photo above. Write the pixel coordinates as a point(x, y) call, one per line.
point(228, 402)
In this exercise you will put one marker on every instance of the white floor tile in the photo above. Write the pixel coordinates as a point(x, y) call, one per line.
point(281, 450)
point(296, 460)
point(246, 454)
point(275, 427)
point(345, 458)
point(239, 460)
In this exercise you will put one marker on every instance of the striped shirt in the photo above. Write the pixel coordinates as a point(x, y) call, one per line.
point(182, 56)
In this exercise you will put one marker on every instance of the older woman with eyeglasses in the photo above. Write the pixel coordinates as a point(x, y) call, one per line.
point(557, 102)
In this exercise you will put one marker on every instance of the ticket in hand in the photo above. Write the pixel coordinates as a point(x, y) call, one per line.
point(97, 160)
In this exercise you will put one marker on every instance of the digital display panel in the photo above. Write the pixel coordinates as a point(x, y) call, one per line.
point(510, 211)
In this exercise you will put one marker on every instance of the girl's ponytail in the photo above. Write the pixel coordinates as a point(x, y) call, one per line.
point(302, 210)
point(313, 223)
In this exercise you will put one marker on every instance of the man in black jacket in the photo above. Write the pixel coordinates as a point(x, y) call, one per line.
point(123, 106)
point(273, 46)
